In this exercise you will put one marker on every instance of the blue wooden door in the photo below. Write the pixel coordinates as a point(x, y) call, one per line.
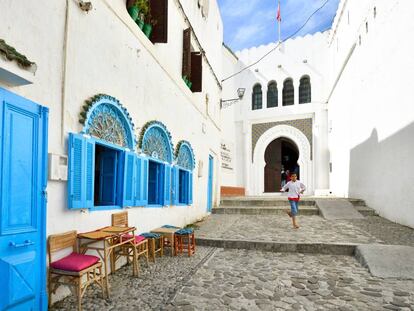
point(23, 178)
point(210, 184)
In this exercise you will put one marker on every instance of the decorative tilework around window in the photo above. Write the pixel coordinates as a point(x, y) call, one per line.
point(303, 125)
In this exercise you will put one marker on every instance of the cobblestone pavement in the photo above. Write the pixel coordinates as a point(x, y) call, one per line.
point(152, 290)
point(253, 280)
point(314, 229)
point(217, 279)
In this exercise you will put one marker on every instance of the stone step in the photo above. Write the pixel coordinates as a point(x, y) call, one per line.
point(278, 201)
point(263, 202)
point(264, 210)
point(310, 248)
point(366, 211)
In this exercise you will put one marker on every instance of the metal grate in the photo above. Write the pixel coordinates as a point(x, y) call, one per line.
point(257, 97)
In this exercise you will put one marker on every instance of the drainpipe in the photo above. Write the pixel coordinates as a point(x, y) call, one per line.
point(64, 67)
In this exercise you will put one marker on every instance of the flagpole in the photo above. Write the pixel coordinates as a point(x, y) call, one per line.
point(279, 19)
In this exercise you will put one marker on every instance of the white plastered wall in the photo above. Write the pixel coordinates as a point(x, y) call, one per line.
point(370, 109)
point(103, 51)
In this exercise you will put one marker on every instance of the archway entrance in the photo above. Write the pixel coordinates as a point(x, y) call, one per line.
point(281, 154)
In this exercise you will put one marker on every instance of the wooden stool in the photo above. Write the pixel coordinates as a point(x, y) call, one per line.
point(155, 244)
point(185, 241)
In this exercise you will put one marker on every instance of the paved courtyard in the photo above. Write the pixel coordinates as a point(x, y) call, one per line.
point(233, 279)
point(313, 229)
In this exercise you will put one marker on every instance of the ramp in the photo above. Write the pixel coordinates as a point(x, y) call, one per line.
point(387, 261)
point(337, 209)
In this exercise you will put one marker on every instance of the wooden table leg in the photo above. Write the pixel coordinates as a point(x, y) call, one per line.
point(153, 249)
point(172, 244)
point(162, 246)
point(106, 269)
point(135, 260)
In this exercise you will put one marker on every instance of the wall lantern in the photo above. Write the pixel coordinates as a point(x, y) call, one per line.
point(224, 103)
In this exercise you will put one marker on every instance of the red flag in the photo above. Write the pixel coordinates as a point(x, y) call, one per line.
point(278, 17)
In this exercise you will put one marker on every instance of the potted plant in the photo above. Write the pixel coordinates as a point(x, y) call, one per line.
point(143, 12)
point(149, 24)
point(133, 9)
point(187, 81)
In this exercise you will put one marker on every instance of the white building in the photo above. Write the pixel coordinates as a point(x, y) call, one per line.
point(353, 138)
point(107, 114)
point(145, 145)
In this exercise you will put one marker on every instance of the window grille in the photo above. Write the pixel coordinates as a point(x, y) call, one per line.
point(288, 93)
point(257, 97)
point(305, 91)
point(272, 94)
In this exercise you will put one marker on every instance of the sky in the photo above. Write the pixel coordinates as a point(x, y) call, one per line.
point(250, 23)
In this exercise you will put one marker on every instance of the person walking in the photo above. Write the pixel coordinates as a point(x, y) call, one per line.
point(295, 188)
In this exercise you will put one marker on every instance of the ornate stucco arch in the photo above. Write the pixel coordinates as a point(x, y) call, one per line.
point(304, 161)
point(155, 141)
point(105, 118)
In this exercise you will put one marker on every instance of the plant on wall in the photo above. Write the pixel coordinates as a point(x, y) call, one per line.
point(138, 10)
point(11, 54)
point(188, 82)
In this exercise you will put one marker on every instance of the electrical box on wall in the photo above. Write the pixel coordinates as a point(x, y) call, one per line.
point(200, 168)
point(58, 167)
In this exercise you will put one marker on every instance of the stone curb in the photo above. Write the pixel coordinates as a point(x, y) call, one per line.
point(305, 211)
point(278, 247)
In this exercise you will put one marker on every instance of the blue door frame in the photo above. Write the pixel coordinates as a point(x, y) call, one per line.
point(210, 184)
point(23, 180)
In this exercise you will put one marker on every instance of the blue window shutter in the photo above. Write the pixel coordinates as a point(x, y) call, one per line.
point(144, 181)
point(90, 172)
point(174, 185)
point(190, 188)
point(81, 154)
point(167, 185)
point(138, 183)
point(128, 198)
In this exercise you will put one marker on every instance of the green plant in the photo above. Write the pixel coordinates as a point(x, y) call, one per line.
point(144, 7)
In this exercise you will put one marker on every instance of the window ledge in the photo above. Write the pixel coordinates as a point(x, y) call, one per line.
point(104, 208)
point(12, 75)
point(155, 206)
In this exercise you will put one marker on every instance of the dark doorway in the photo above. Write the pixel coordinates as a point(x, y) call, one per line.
point(281, 154)
point(106, 176)
point(155, 183)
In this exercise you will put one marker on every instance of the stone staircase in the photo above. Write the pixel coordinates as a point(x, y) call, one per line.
point(277, 205)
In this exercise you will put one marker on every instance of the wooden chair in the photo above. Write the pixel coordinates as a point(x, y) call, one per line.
point(184, 241)
point(141, 243)
point(75, 270)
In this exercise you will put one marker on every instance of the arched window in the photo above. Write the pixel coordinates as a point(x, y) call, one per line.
point(305, 90)
point(155, 143)
point(257, 97)
point(272, 95)
point(288, 92)
point(182, 174)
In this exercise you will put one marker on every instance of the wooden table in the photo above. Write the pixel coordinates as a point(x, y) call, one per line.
point(168, 234)
point(111, 237)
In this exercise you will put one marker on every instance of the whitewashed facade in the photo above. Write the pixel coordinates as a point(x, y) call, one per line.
point(80, 54)
point(362, 119)
point(259, 127)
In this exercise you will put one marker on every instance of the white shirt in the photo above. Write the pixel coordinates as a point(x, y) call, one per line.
point(295, 188)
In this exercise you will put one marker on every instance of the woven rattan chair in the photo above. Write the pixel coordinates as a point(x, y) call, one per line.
point(75, 270)
point(141, 243)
